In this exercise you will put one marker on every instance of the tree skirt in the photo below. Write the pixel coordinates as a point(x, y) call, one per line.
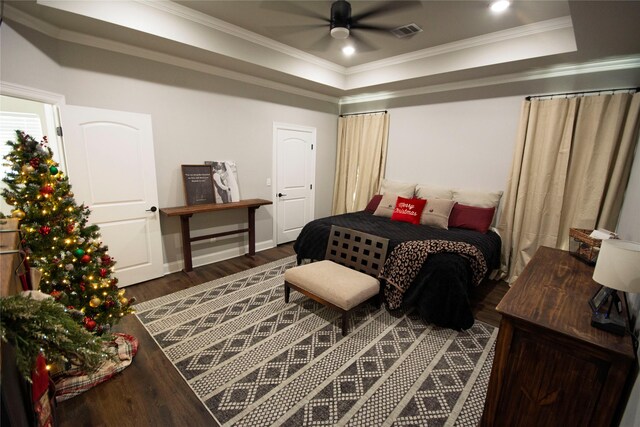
point(74, 381)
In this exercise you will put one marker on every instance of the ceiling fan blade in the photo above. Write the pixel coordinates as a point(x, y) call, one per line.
point(378, 28)
point(293, 8)
point(294, 29)
point(385, 8)
point(322, 44)
point(360, 44)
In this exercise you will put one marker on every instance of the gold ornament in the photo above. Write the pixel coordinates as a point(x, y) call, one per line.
point(27, 168)
point(95, 302)
point(124, 301)
point(18, 213)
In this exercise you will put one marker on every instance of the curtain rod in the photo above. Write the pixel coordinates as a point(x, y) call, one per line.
point(530, 97)
point(368, 112)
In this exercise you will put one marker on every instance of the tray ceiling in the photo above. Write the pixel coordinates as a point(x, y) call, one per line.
point(276, 43)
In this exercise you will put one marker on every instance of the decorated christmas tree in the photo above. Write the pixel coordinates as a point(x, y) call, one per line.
point(75, 266)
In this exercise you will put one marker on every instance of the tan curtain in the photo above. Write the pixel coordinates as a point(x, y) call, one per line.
point(570, 169)
point(361, 160)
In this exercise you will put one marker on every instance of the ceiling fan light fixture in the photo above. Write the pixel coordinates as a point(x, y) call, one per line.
point(339, 33)
point(499, 5)
point(348, 50)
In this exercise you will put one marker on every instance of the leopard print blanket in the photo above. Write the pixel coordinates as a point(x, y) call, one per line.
point(406, 259)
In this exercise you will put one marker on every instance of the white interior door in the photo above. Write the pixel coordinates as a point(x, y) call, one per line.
point(295, 179)
point(111, 169)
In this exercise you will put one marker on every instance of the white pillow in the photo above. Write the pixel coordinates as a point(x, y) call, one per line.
point(477, 198)
point(402, 189)
point(436, 213)
point(387, 205)
point(427, 191)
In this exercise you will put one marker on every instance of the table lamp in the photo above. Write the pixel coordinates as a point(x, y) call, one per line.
point(617, 269)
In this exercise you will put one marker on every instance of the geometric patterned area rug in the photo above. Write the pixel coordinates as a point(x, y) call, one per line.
point(254, 360)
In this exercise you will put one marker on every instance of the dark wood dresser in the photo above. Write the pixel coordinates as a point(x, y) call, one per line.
point(551, 368)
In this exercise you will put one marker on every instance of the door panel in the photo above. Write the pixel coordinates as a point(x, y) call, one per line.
point(295, 174)
point(111, 167)
point(103, 139)
point(128, 240)
point(294, 217)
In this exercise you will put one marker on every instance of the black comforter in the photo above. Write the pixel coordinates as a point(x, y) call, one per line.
point(440, 292)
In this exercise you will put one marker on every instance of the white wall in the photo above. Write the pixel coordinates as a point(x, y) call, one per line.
point(466, 144)
point(196, 117)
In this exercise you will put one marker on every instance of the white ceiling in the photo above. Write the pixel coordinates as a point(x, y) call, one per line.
point(275, 44)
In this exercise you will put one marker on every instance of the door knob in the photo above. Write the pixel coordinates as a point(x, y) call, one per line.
point(281, 195)
point(152, 209)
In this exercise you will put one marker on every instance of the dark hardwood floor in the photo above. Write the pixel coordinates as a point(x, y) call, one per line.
point(150, 392)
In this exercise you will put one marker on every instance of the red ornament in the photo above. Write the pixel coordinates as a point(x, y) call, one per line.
point(82, 286)
point(35, 162)
point(70, 228)
point(103, 272)
point(106, 260)
point(56, 294)
point(44, 230)
point(47, 189)
point(89, 323)
point(109, 303)
point(85, 259)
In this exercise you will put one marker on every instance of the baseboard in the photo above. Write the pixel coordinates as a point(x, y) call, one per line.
point(199, 261)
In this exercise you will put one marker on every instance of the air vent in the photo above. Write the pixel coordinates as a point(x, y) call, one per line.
point(406, 31)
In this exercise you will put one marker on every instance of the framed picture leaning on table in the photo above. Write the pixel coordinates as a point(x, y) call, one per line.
point(225, 181)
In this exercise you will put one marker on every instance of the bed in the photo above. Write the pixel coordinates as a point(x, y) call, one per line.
point(440, 291)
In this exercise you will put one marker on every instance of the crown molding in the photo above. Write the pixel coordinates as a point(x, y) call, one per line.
point(13, 14)
point(233, 30)
point(24, 92)
point(473, 42)
point(620, 64)
point(50, 30)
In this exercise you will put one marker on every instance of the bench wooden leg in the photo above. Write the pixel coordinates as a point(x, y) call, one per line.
point(377, 300)
point(344, 324)
point(287, 291)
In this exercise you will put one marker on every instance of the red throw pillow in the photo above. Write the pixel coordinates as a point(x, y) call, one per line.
point(373, 203)
point(471, 217)
point(408, 210)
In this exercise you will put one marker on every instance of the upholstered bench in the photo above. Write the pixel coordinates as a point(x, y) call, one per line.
point(346, 277)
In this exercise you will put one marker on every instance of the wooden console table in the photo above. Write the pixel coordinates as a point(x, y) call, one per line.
point(551, 367)
point(185, 212)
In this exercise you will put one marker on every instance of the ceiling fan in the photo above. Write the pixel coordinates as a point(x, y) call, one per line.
point(343, 23)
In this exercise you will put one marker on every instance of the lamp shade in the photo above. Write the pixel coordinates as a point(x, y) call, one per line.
point(618, 265)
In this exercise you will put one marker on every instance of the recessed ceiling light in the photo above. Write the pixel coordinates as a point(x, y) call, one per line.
point(500, 5)
point(348, 50)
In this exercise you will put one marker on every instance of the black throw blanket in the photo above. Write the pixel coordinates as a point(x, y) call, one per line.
point(406, 260)
point(440, 291)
